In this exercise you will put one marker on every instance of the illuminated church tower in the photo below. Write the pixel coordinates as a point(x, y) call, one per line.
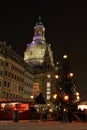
point(36, 51)
point(39, 55)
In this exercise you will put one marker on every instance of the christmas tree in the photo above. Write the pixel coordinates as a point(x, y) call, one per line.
point(66, 96)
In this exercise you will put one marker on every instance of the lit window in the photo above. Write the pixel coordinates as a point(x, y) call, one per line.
point(48, 97)
point(48, 93)
point(48, 76)
point(48, 89)
point(48, 84)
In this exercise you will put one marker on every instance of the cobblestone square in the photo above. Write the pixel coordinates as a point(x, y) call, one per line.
point(41, 125)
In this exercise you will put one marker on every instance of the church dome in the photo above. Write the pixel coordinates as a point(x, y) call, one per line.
point(36, 51)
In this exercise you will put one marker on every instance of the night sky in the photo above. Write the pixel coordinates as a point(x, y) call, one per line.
point(66, 31)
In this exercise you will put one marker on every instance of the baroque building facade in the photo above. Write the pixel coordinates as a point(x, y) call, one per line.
point(16, 76)
point(39, 55)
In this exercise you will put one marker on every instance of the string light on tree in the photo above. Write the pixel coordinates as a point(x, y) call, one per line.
point(65, 56)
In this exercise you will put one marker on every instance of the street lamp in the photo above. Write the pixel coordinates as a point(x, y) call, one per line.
point(32, 97)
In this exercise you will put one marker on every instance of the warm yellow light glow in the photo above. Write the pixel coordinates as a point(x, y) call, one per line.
point(77, 94)
point(64, 109)
point(71, 74)
point(32, 96)
point(3, 105)
point(55, 96)
point(65, 56)
point(50, 110)
point(56, 76)
point(66, 97)
point(77, 97)
point(57, 63)
point(82, 107)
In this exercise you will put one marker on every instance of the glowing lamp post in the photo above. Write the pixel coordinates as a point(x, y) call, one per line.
point(32, 97)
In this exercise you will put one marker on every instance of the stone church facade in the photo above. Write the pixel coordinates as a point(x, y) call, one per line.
point(39, 55)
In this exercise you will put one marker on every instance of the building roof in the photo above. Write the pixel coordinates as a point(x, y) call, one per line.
point(40, 99)
point(83, 103)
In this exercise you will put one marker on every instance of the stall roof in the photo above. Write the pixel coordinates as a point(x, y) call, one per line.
point(23, 100)
point(83, 103)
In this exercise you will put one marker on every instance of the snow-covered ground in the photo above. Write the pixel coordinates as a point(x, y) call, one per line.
point(42, 125)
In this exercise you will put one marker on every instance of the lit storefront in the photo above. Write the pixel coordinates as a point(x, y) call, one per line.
point(82, 106)
point(7, 107)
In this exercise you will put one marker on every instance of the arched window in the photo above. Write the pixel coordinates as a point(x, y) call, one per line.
point(48, 90)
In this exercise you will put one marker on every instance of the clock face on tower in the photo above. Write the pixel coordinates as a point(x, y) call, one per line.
point(48, 75)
